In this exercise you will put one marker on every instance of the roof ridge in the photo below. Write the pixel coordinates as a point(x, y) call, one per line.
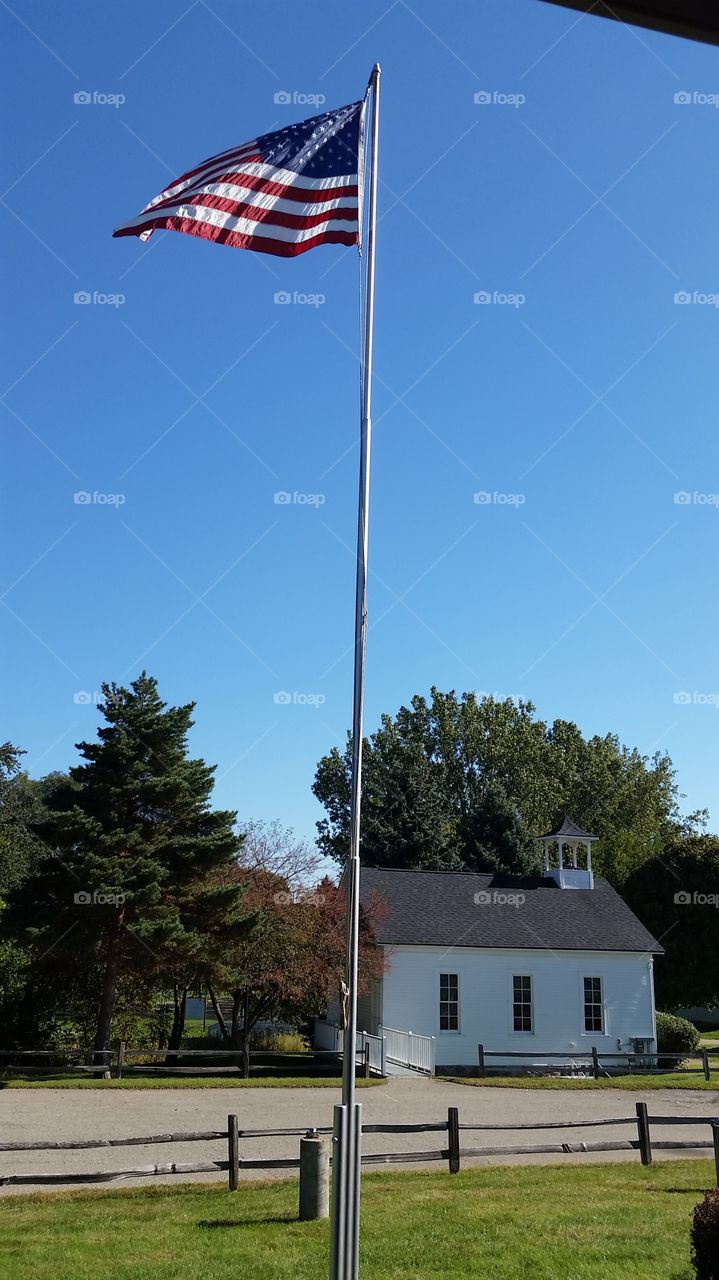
point(448, 871)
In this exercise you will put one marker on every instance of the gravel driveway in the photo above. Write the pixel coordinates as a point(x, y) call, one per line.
point(28, 1115)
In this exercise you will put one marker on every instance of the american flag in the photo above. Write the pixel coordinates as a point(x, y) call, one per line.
point(282, 193)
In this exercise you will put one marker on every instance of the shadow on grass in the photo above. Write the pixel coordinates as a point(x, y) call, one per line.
point(212, 1224)
point(677, 1191)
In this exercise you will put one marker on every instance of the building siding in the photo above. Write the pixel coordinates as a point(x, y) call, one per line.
point(410, 999)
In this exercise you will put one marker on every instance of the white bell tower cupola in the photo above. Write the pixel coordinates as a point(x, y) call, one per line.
point(562, 856)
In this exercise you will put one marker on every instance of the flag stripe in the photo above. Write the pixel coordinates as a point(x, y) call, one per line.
point(285, 200)
point(257, 168)
point(302, 230)
point(223, 161)
point(241, 240)
point(268, 210)
point(243, 183)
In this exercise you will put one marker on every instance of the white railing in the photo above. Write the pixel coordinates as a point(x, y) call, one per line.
point(373, 1046)
point(410, 1050)
point(329, 1036)
point(400, 1047)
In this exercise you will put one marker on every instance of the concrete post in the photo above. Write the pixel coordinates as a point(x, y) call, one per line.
point(314, 1177)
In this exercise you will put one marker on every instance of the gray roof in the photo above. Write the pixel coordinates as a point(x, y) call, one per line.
point(466, 909)
point(569, 829)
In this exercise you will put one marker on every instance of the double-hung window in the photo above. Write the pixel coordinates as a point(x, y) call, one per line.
point(522, 1002)
point(593, 1005)
point(449, 1002)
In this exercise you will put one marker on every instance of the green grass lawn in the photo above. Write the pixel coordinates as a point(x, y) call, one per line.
point(186, 1082)
point(592, 1222)
point(672, 1080)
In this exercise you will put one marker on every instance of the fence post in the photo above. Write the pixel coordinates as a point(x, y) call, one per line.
point(645, 1141)
point(120, 1060)
point(705, 1064)
point(366, 1060)
point(314, 1177)
point(233, 1149)
point(432, 1057)
point(453, 1139)
point(384, 1056)
point(595, 1062)
point(715, 1136)
point(480, 1049)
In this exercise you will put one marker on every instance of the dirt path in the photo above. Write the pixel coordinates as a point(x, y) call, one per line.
point(70, 1115)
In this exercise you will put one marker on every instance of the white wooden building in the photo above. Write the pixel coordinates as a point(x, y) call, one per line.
point(554, 963)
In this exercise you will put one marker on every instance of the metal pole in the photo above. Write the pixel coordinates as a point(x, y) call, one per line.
point(344, 1259)
point(350, 1032)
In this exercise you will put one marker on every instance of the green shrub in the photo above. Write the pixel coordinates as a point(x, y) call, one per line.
point(705, 1237)
point(676, 1035)
point(278, 1042)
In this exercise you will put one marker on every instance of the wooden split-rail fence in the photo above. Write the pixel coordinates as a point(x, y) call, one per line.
point(597, 1063)
point(372, 1054)
point(125, 1060)
point(453, 1153)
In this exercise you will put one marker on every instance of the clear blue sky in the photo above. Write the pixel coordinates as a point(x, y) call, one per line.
point(198, 398)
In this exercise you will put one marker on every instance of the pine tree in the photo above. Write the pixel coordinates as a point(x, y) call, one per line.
point(139, 861)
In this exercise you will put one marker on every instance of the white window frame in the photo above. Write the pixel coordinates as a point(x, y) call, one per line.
point(512, 1028)
point(448, 1031)
point(603, 1004)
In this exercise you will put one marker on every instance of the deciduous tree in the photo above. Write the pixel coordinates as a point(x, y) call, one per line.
point(438, 777)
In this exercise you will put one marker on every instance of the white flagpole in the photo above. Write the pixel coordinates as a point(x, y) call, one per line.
point(344, 1261)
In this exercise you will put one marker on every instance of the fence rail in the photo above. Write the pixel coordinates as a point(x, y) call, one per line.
point(594, 1058)
point(453, 1152)
point(126, 1059)
point(403, 1048)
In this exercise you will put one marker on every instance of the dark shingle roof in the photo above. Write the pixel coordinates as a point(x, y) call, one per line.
point(568, 827)
point(466, 909)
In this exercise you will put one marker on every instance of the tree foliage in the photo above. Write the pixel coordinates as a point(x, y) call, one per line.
point(295, 955)
point(23, 802)
point(446, 776)
point(676, 896)
point(135, 855)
